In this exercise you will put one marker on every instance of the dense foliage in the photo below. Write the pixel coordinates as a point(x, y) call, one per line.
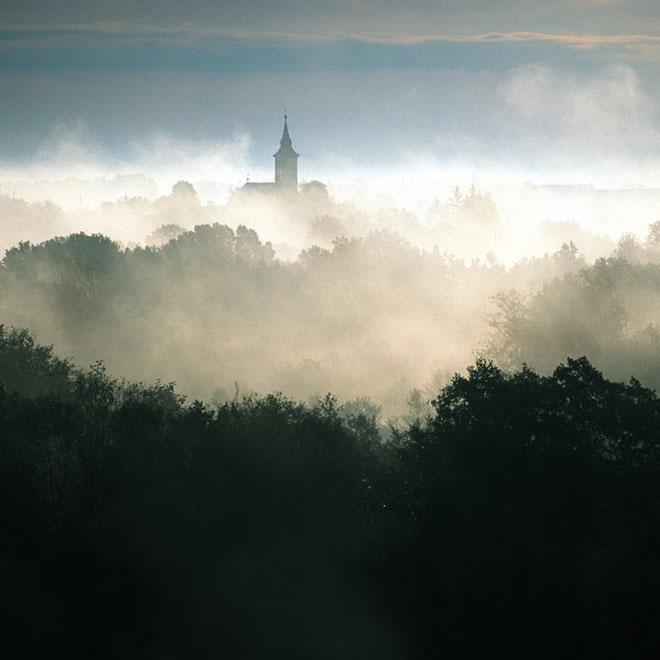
point(522, 518)
point(214, 306)
point(608, 311)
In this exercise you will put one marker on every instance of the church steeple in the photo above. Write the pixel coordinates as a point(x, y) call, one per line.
point(286, 162)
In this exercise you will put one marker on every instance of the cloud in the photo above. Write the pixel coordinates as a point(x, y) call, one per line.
point(193, 34)
point(607, 112)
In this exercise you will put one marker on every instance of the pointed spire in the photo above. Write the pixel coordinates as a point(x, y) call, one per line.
point(286, 147)
point(286, 138)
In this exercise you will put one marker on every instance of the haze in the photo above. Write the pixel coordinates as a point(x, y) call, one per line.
point(493, 133)
point(393, 395)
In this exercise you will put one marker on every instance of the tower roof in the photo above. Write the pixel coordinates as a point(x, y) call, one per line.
point(285, 143)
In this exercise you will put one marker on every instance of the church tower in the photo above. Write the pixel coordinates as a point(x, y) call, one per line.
point(286, 163)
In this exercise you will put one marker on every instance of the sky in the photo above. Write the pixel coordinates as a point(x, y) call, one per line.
point(556, 91)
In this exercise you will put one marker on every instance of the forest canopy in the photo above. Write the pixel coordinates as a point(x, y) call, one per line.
point(214, 308)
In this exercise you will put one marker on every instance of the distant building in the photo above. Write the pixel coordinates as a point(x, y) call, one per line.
point(286, 169)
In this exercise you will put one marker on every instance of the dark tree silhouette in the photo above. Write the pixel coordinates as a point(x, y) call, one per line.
point(521, 518)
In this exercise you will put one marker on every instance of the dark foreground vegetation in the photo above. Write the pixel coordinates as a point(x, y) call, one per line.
point(521, 519)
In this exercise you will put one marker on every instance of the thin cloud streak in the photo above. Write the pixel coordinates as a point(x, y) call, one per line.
point(196, 31)
point(114, 46)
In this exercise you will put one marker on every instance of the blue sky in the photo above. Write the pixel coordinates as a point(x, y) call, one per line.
point(539, 85)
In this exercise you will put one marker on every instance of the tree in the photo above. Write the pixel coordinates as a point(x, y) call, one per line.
point(527, 496)
point(29, 368)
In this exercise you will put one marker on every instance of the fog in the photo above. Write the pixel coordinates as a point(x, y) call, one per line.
point(498, 211)
point(396, 398)
point(369, 287)
point(73, 188)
